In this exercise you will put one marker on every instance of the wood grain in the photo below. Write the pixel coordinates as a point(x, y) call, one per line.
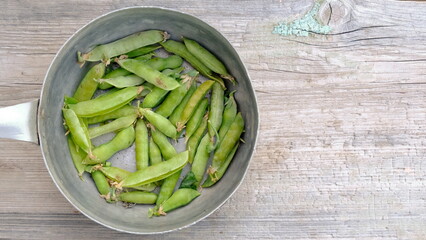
point(343, 116)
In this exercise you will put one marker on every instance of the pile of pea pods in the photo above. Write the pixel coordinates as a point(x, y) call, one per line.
point(151, 101)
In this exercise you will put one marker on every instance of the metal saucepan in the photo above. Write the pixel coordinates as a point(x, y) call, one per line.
point(41, 121)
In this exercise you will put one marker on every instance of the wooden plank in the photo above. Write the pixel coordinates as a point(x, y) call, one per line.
point(341, 147)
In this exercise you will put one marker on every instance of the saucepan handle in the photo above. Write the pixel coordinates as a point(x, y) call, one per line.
point(19, 122)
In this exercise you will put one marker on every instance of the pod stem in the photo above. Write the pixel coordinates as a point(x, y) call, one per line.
point(165, 35)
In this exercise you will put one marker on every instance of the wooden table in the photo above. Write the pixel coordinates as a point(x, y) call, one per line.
point(342, 145)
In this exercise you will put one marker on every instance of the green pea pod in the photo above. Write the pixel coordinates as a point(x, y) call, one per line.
point(138, 197)
point(154, 153)
point(121, 112)
point(195, 139)
point(148, 73)
point(114, 173)
point(77, 130)
point(145, 57)
point(196, 118)
point(107, 93)
point(156, 172)
point(154, 98)
point(200, 160)
point(159, 122)
point(142, 51)
point(119, 72)
point(101, 182)
point(215, 113)
point(123, 81)
point(157, 94)
point(229, 114)
point(175, 72)
point(166, 148)
point(70, 100)
point(160, 64)
point(89, 84)
point(193, 103)
point(207, 58)
point(122, 46)
point(175, 97)
point(147, 88)
point(122, 140)
point(103, 105)
point(179, 49)
point(118, 174)
point(141, 145)
point(167, 187)
point(213, 178)
point(175, 116)
point(180, 198)
point(113, 126)
point(77, 157)
point(227, 144)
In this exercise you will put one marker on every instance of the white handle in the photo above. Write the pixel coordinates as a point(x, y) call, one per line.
point(19, 122)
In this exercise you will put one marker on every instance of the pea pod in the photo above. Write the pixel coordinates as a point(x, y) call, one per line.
point(124, 45)
point(215, 114)
point(148, 73)
point(167, 187)
point(196, 118)
point(207, 58)
point(179, 48)
point(193, 103)
point(121, 112)
point(166, 148)
point(119, 72)
point(122, 140)
point(180, 198)
point(213, 178)
point(154, 153)
point(156, 172)
point(70, 100)
point(118, 174)
point(229, 114)
point(89, 84)
point(195, 139)
point(173, 61)
point(145, 57)
point(168, 151)
point(147, 88)
point(77, 129)
point(138, 197)
point(101, 182)
point(107, 93)
point(157, 94)
point(115, 125)
point(173, 72)
point(102, 105)
point(175, 97)
point(141, 145)
point(159, 122)
point(123, 81)
point(175, 116)
point(142, 51)
point(227, 144)
point(77, 157)
point(200, 160)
